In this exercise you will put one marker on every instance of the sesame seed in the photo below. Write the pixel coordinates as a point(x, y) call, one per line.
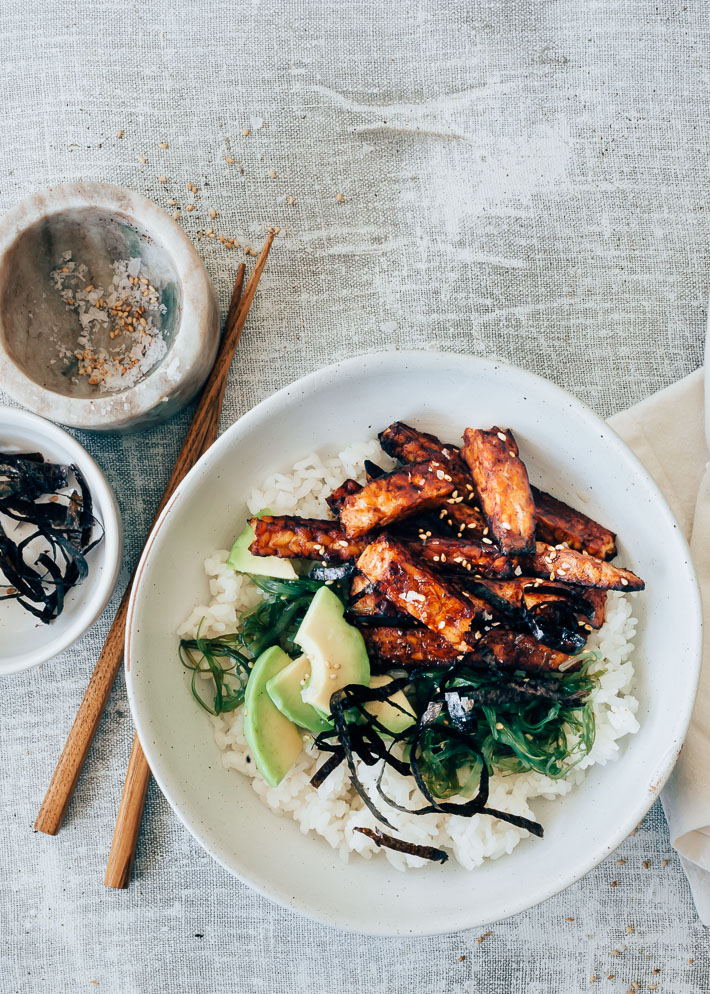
point(442, 624)
point(229, 159)
point(119, 134)
point(501, 436)
point(486, 541)
point(246, 132)
point(624, 582)
point(190, 207)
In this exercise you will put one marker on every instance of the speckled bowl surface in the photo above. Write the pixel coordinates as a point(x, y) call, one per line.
point(569, 451)
point(99, 225)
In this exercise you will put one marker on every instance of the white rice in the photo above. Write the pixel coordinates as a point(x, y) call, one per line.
point(334, 810)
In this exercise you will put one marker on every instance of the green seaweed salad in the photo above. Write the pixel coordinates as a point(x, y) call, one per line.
point(470, 722)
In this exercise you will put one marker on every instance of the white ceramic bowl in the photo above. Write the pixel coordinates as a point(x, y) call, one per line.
point(568, 450)
point(24, 640)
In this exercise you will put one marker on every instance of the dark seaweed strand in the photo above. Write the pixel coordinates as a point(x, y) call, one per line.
point(65, 524)
point(341, 727)
point(86, 516)
point(385, 841)
point(329, 766)
point(355, 694)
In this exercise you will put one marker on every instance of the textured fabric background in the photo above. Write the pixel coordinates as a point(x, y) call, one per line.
point(524, 180)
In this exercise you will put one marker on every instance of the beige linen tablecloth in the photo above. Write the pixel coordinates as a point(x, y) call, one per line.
point(667, 433)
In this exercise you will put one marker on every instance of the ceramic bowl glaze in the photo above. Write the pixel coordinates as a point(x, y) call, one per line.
point(99, 225)
point(568, 451)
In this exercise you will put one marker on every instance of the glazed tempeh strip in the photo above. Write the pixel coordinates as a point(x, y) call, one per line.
point(465, 519)
point(410, 648)
point(366, 601)
point(557, 523)
point(571, 566)
point(415, 589)
point(518, 651)
point(346, 488)
point(457, 554)
point(420, 649)
point(502, 487)
point(302, 538)
point(406, 491)
point(409, 445)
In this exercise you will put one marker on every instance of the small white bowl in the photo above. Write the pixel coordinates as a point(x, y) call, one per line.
point(568, 451)
point(24, 640)
point(99, 225)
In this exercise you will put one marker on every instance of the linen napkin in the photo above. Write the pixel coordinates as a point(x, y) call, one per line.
point(667, 433)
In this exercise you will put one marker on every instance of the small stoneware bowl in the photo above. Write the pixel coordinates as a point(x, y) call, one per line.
point(25, 641)
point(68, 240)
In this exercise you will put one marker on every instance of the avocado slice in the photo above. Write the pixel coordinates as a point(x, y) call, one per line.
point(336, 650)
point(243, 561)
point(391, 717)
point(275, 742)
point(285, 688)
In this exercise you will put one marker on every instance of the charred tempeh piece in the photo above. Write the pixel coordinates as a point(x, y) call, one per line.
point(373, 471)
point(416, 589)
point(368, 604)
point(557, 522)
point(415, 648)
point(575, 567)
point(460, 554)
point(502, 487)
point(518, 651)
point(588, 602)
point(421, 649)
point(302, 538)
point(409, 445)
point(346, 488)
point(465, 519)
point(406, 491)
point(526, 592)
point(596, 599)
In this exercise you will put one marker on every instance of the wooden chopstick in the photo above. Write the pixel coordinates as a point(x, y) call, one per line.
point(130, 811)
point(71, 761)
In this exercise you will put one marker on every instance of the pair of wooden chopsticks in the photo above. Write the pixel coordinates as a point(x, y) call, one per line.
point(201, 434)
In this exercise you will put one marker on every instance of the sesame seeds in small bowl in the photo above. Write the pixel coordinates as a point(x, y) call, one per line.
point(108, 320)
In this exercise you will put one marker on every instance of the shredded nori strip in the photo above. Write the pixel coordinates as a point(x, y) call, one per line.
point(64, 522)
point(399, 845)
point(325, 769)
point(362, 739)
